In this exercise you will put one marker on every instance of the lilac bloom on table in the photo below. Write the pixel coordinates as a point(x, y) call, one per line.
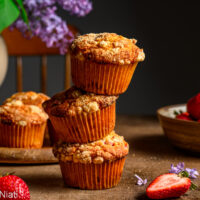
point(193, 173)
point(177, 169)
point(140, 181)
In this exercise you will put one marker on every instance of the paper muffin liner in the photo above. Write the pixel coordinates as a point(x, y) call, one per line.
point(16, 136)
point(84, 128)
point(51, 132)
point(109, 79)
point(92, 176)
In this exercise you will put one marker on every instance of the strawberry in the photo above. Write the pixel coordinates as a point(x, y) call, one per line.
point(193, 106)
point(184, 116)
point(167, 186)
point(13, 188)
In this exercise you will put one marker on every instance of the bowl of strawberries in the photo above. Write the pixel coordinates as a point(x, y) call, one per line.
point(181, 124)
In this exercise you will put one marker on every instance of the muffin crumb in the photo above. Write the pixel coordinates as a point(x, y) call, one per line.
point(109, 148)
point(75, 101)
point(107, 48)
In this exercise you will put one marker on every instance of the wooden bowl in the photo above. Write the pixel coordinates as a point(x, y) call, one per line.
point(181, 133)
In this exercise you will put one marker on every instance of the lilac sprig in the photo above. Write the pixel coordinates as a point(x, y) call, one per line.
point(177, 169)
point(47, 25)
point(193, 173)
point(180, 167)
point(76, 7)
point(140, 181)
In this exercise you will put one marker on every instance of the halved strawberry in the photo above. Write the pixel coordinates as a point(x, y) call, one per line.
point(184, 116)
point(167, 186)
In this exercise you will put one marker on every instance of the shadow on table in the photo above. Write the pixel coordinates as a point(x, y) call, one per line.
point(141, 197)
point(43, 181)
point(157, 145)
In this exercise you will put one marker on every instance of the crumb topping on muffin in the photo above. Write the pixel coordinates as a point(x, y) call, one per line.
point(28, 98)
point(107, 48)
point(19, 113)
point(75, 101)
point(110, 148)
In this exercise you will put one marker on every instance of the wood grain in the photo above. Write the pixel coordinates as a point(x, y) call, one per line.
point(19, 74)
point(44, 74)
point(67, 72)
point(27, 156)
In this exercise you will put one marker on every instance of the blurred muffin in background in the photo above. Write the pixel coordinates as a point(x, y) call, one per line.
point(28, 98)
point(21, 125)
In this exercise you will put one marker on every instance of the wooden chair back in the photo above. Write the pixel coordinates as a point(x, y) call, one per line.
point(19, 46)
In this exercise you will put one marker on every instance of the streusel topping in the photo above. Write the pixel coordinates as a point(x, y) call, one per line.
point(29, 98)
point(107, 48)
point(109, 148)
point(75, 101)
point(17, 112)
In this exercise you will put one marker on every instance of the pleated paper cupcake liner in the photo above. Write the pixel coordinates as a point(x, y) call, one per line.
point(16, 136)
point(83, 128)
point(92, 176)
point(108, 79)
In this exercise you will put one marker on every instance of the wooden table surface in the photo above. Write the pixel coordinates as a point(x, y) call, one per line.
point(150, 155)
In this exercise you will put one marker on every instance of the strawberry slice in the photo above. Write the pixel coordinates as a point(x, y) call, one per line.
point(184, 116)
point(167, 186)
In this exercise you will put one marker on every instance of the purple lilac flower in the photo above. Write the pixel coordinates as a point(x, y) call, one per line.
point(193, 173)
point(47, 25)
point(140, 181)
point(179, 168)
point(76, 7)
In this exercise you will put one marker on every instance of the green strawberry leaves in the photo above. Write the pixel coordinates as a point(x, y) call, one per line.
point(186, 174)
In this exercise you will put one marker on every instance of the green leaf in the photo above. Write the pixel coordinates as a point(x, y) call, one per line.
point(23, 11)
point(9, 12)
point(184, 174)
point(193, 186)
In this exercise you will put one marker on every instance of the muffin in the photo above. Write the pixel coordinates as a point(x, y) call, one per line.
point(104, 63)
point(81, 117)
point(33, 98)
point(28, 98)
point(95, 165)
point(22, 125)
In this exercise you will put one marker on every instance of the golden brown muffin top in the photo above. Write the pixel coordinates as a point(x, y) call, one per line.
point(76, 101)
point(110, 148)
point(28, 98)
point(107, 48)
point(19, 113)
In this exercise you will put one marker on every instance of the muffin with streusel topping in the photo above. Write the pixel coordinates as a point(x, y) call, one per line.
point(22, 125)
point(95, 165)
point(28, 98)
point(33, 98)
point(78, 116)
point(104, 63)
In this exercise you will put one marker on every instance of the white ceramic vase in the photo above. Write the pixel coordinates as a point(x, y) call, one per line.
point(3, 60)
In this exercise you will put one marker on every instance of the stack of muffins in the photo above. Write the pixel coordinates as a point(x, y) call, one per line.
point(23, 120)
point(90, 153)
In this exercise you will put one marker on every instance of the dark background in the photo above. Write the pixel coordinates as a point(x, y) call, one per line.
point(166, 30)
